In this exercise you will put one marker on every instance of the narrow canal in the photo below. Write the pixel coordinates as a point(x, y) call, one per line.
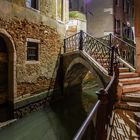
point(59, 121)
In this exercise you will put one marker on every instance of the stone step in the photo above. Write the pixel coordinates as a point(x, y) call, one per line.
point(105, 65)
point(102, 60)
point(121, 65)
point(134, 80)
point(128, 75)
point(133, 106)
point(99, 56)
point(123, 69)
point(131, 88)
point(131, 97)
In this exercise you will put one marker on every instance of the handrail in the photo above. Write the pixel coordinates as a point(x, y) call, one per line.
point(103, 54)
point(98, 40)
point(93, 46)
point(118, 39)
point(72, 35)
point(123, 41)
point(86, 123)
point(110, 83)
point(84, 126)
point(126, 50)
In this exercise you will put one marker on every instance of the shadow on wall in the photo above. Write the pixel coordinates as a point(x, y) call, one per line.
point(55, 90)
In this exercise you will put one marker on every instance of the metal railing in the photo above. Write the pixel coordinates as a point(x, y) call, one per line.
point(101, 52)
point(105, 54)
point(102, 111)
point(126, 51)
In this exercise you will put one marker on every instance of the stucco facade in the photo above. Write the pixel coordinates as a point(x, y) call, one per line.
point(99, 17)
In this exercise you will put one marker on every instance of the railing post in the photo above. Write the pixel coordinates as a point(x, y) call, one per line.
point(112, 60)
point(101, 118)
point(64, 47)
point(81, 40)
point(110, 40)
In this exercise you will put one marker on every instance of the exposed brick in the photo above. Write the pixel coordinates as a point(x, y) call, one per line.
point(33, 77)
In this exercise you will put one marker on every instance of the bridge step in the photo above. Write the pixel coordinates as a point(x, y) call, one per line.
point(134, 80)
point(131, 97)
point(102, 60)
point(131, 88)
point(128, 75)
point(129, 106)
point(123, 69)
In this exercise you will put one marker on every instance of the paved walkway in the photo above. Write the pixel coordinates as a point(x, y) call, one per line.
point(126, 125)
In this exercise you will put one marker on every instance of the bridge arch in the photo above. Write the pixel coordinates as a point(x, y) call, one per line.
point(77, 70)
point(11, 52)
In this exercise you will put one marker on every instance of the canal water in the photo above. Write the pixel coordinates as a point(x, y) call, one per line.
point(59, 121)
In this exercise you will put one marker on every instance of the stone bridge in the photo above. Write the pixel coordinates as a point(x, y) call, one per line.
point(74, 67)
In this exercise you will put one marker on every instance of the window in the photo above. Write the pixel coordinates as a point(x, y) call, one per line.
point(123, 29)
point(124, 5)
point(128, 32)
point(33, 4)
point(127, 7)
point(117, 2)
point(70, 4)
point(32, 51)
point(117, 26)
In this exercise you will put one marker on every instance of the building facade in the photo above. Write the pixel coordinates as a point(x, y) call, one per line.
point(124, 19)
point(99, 15)
point(77, 17)
point(31, 33)
point(110, 16)
point(77, 5)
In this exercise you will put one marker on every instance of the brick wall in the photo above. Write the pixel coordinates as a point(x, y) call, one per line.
point(33, 76)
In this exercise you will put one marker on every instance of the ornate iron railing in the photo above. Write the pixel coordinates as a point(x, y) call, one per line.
point(101, 52)
point(72, 43)
point(102, 110)
point(125, 50)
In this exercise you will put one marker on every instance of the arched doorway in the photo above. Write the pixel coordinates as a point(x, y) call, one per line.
point(7, 76)
point(3, 71)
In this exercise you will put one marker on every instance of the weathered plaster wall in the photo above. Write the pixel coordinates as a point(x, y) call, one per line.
point(47, 13)
point(30, 83)
point(33, 76)
point(21, 23)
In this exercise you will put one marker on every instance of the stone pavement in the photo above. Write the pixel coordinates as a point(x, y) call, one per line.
point(126, 125)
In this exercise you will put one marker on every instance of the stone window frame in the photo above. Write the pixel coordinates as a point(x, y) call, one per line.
point(28, 6)
point(63, 7)
point(34, 41)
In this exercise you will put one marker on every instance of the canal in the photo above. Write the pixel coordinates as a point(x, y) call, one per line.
point(60, 121)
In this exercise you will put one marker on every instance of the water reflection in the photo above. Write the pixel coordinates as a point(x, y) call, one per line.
point(60, 121)
point(74, 108)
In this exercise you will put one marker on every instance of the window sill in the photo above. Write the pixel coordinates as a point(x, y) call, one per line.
point(32, 62)
point(60, 21)
point(36, 10)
